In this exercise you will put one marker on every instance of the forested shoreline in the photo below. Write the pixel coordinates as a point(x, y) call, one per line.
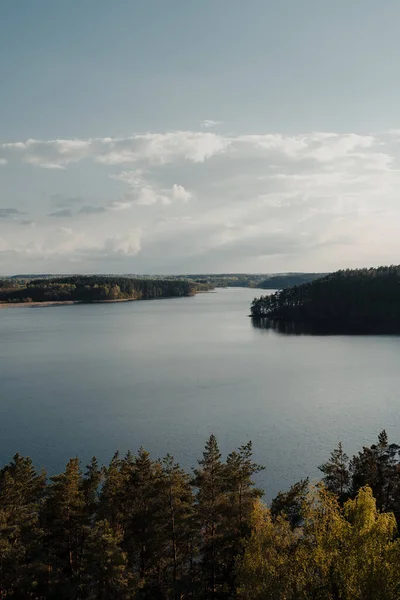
point(93, 288)
point(146, 529)
point(353, 301)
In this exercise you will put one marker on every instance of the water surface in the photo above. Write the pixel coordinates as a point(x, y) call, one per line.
point(86, 380)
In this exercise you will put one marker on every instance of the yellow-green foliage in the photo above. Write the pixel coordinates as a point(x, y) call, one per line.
point(346, 554)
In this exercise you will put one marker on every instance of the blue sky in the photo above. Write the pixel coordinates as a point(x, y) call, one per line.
point(214, 135)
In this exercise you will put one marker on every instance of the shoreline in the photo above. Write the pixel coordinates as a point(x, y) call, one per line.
point(50, 303)
point(39, 304)
point(60, 303)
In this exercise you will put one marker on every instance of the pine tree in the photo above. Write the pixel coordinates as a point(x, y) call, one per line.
point(336, 473)
point(241, 495)
point(377, 467)
point(144, 530)
point(106, 575)
point(180, 531)
point(211, 503)
point(90, 487)
point(65, 525)
point(290, 504)
point(113, 492)
point(21, 558)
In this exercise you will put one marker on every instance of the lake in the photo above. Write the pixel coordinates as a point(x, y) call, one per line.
point(89, 379)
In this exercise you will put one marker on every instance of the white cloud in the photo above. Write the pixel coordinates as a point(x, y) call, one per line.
point(207, 201)
point(132, 178)
point(171, 147)
point(208, 123)
point(143, 192)
point(63, 244)
point(118, 205)
point(50, 154)
point(154, 148)
point(179, 193)
point(146, 196)
point(127, 244)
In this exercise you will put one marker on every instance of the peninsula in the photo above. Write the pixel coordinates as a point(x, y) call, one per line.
point(353, 301)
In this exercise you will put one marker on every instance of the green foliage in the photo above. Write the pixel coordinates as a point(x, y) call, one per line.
point(336, 473)
point(22, 561)
point(106, 575)
point(346, 554)
point(144, 529)
point(289, 505)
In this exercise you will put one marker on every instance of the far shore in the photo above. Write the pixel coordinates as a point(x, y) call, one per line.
point(59, 303)
point(30, 304)
point(68, 302)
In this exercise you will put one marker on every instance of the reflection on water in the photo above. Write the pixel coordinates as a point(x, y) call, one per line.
point(321, 328)
point(287, 327)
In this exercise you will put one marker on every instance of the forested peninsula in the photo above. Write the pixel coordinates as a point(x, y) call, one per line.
point(354, 301)
point(95, 288)
point(146, 529)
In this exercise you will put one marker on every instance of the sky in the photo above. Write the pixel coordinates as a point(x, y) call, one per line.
point(154, 136)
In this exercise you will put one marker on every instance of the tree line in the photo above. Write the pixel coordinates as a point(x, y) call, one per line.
point(361, 300)
point(94, 288)
point(284, 280)
point(147, 529)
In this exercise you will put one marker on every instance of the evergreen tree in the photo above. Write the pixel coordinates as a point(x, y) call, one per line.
point(106, 572)
point(211, 504)
point(112, 501)
point(377, 467)
point(146, 534)
point(90, 487)
point(241, 495)
point(21, 557)
point(65, 525)
point(336, 473)
point(290, 504)
point(181, 534)
point(145, 537)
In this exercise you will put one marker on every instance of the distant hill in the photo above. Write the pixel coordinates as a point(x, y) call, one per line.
point(361, 300)
point(283, 280)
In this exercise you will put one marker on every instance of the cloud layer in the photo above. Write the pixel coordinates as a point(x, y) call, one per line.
point(198, 200)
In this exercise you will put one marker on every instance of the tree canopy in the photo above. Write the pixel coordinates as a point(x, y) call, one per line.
point(146, 529)
point(284, 280)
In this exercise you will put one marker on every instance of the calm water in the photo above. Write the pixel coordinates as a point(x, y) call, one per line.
point(84, 380)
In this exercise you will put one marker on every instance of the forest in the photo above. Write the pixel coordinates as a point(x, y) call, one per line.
point(227, 279)
point(354, 301)
point(274, 281)
point(141, 528)
point(198, 282)
point(94, 288)
point(284, 280)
